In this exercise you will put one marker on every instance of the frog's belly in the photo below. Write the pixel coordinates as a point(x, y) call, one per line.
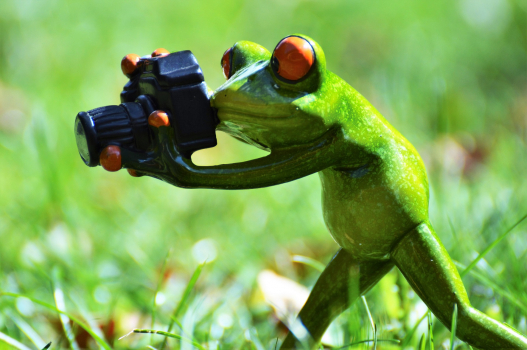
point(367, 216)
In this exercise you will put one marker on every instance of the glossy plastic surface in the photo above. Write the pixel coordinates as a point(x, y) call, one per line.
point(374, 187)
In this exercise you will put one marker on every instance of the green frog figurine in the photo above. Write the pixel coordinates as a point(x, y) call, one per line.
point(374, 184)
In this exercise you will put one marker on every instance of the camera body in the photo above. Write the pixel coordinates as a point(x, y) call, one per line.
point(173, 83)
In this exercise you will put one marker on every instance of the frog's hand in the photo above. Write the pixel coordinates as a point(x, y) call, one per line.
point(282, 165)
point(113, 158)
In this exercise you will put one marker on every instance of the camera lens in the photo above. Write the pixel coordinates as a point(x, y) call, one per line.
point(125, 125)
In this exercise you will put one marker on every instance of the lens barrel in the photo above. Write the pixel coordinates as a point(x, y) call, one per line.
point(172, 83)
point(125, 125)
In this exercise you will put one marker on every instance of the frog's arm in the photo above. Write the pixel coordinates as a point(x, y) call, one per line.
point(282, 165)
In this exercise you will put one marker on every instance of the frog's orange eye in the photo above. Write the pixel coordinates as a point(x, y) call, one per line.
point(293, 58)
point(226, 63)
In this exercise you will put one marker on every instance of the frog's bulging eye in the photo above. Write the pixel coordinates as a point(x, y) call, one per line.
point(226, 63)
point(292, 58)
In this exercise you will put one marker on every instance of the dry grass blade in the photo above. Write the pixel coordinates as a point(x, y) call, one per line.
point(71, 317)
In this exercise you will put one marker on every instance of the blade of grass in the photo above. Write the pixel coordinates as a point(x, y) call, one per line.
point(394, 341)
point(158, 287)
point(372, 323)
point(176, 321)
point(430, 331)
point(410, 334)
point(490, 247)
point(58, 295)
point(422, 343)
point(317, 265)
point(47, 346)
point(454, 232)
point(183, 302)
point(90, 320)
point(502, 292)
point(453, 328)
point(166, 334)
point(253, 335)
point(14, 343)
point(71, 317)
point(300, 332)
point(26, 329)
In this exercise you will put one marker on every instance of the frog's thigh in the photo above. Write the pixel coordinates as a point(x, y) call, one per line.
point(425, 263)
point(339, 285)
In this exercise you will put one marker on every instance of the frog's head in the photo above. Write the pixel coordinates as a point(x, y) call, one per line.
point(275, 100)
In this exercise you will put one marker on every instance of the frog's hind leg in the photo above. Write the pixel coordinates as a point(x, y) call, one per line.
point(426, 265)
point(339, 285)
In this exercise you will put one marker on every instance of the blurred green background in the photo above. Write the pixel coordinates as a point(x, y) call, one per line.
point(450, 75)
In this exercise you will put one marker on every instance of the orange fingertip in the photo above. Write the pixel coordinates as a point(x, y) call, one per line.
point(110, 158)
point(160, 52)
point(130, 63)
point(158, 118)
point(132, 172)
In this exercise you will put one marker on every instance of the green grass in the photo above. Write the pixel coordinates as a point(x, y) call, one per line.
point(448, 75)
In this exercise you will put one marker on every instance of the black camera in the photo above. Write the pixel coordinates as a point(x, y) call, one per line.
point(172, 83)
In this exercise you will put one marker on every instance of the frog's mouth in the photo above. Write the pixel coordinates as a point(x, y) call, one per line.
point(247, 114)
point(241, 130)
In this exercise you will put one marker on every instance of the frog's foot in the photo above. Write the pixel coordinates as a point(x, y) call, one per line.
point(340, 284)
point(426, 265)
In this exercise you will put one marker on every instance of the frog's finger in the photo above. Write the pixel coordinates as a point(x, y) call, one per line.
point(160, 52)
point(163, 133)
point(130, 63)
point(158, 118)
point(110, 158)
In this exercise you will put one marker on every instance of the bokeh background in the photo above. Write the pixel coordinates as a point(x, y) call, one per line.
point(117, 251)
